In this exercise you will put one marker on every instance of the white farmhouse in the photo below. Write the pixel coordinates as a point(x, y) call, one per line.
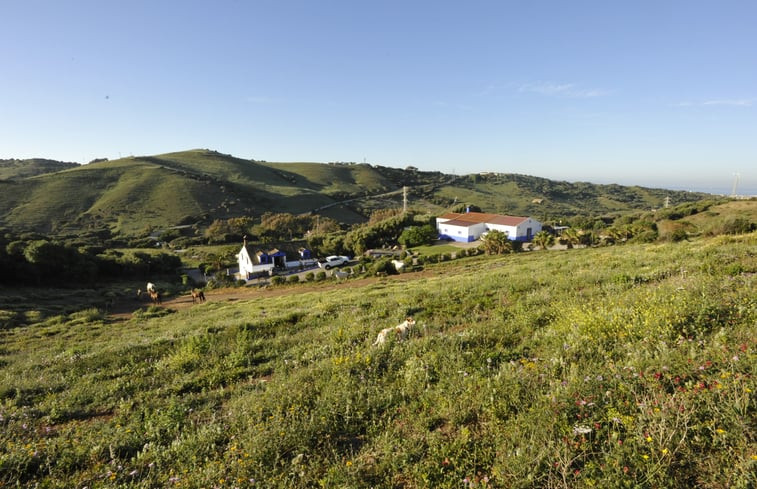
point(252, 264)
point(470, 226)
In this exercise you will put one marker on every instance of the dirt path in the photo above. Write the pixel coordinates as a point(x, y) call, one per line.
point(124, 309)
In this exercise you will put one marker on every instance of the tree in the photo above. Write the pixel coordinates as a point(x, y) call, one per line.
point(571, 236)
point(225, 230)
point(417, 236)
point(43, 253)
point(544, 239)
point(496, 243)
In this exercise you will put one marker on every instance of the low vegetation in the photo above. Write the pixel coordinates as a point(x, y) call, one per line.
point(628, 366)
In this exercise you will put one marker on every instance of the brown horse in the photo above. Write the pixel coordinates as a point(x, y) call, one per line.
point(198, 296)
point(155, 297)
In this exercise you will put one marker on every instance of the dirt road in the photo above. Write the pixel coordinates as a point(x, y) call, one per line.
point(124, 309)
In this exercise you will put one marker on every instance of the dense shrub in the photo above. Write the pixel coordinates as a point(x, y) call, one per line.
point(382, 266)
point(648, 236)
point(678, 235)
point(418, 236)
point(737, 225)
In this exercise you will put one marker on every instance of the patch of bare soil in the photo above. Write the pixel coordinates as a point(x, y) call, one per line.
point(125, 308)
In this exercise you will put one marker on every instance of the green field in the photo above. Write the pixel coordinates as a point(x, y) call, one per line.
point(626, 366)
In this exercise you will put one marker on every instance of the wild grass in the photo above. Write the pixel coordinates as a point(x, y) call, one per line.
point(627, 366)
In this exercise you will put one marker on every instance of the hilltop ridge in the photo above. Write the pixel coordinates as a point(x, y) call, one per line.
point(131, 195)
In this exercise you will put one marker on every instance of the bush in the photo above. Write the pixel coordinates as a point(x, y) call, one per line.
point(645, 237)
point(293, 279)
point(277, 280)
point(418, 235)
point(320, 276)
point(384, 265)
point(678, 235)
point(738, 225)
point(309, 277)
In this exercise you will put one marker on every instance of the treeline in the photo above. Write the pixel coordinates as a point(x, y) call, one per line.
point(39, 261)
point(322, 235)
point(383, 230)
point(272, 227)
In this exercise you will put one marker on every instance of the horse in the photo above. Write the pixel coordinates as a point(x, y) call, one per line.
point(155, 297)
point(198, 296)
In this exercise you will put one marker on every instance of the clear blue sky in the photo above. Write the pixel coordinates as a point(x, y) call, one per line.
point(634, 92)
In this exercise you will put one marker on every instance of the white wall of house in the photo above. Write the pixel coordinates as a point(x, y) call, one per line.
point(524, 231)
point(245, 263)
point(512, 231)
point(461, 233)
point(467, 232)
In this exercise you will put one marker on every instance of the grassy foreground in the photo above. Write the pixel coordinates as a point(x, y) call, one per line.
point(628, 366)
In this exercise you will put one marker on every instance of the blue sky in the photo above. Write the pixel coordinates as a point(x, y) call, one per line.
point(659, 93)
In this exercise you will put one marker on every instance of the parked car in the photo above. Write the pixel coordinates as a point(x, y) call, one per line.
point(333, 261)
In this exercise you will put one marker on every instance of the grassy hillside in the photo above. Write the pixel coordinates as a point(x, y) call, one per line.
point(549, 199)
point(19, 169)
point(628, 366)
point(129, 196)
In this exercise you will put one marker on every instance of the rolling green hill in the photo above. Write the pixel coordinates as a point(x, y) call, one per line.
point(18, 169)
point(130, 196)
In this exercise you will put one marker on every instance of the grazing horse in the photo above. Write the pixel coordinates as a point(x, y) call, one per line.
point(155, 297)
point(198, 296)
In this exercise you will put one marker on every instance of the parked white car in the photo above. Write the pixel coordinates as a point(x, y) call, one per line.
point(333, 261)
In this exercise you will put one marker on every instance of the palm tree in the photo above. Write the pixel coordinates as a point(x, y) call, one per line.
point(496, 242)
point(544, 239)
point(571, 236)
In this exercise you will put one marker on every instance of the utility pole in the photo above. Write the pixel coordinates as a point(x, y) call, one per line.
point(404, 199)
point(735, 189)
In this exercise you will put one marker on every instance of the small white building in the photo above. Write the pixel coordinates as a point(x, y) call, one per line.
point(469, 226)
point(250, 264)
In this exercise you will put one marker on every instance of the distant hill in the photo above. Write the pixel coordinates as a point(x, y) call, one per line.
point(19, 169)
point(130, 196)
